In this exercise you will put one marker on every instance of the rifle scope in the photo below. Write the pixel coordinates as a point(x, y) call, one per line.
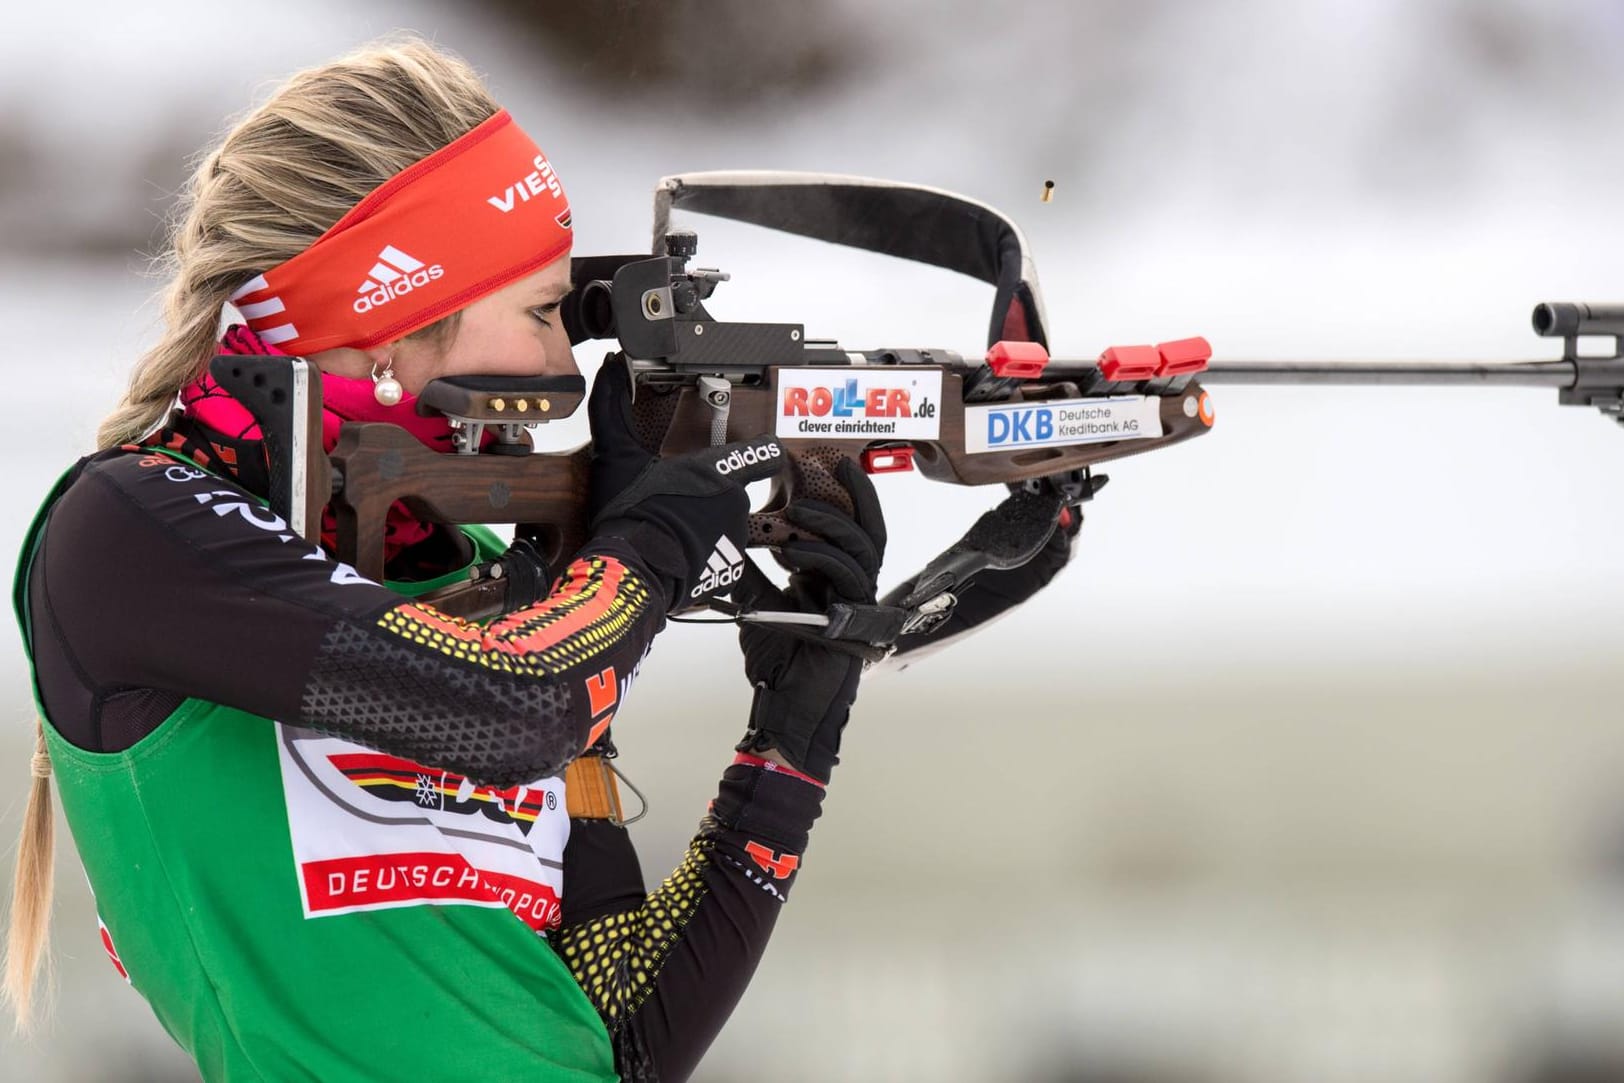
point(597, 309)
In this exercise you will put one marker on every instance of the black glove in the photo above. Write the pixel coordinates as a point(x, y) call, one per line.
point(805, 688)
point(618, 456)
point(685, 516)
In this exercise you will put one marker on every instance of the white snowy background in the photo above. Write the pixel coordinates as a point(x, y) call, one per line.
point(1311, 768)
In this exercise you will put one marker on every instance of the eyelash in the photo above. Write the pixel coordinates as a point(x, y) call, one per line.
point(544, 314)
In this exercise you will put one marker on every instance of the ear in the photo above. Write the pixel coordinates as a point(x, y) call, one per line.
point(352, 364)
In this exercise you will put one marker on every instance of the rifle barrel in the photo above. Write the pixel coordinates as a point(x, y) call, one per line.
point(1559, 374)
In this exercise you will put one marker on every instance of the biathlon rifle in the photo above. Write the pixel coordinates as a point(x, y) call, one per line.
point(1012, 416)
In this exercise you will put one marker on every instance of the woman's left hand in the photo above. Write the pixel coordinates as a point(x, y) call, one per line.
point(805, 688)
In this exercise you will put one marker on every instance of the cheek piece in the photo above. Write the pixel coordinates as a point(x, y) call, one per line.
point(442, 233)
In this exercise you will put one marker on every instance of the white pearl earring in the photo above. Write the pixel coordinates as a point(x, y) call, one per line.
point(385, 388)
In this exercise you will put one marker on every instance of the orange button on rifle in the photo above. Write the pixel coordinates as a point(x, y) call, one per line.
point(1019, 360)
point(1183, 356)
point(1130, 363)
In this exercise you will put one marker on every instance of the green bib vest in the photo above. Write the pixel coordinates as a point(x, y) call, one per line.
point(295, 907)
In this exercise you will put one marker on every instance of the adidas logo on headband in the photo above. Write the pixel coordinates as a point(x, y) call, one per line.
point(394, 274)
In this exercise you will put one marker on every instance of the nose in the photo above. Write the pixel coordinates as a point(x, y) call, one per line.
point(560, 357)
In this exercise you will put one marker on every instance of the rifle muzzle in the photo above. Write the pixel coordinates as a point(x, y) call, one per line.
point(1562, 319)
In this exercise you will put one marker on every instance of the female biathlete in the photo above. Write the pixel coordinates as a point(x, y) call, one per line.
point(329, 828)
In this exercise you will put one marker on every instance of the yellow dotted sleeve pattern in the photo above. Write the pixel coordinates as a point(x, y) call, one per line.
point(595, 603)
point(616, 958)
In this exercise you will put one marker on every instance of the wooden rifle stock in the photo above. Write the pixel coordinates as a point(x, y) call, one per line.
point(379, 465)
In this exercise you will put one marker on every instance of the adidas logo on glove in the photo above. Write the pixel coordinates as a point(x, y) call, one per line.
point(725, 564)
point(749, 456)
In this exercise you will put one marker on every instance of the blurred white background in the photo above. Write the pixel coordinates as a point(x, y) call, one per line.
point(1311, 768)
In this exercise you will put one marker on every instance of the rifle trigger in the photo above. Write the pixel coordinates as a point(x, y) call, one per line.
point(718, 395)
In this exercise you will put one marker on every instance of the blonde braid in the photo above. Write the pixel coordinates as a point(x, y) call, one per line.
point(32, 886)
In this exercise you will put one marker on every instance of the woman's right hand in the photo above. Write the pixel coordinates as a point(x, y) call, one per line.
point(685, 516)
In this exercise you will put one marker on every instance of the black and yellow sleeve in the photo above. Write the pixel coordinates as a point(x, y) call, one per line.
point(666, 969)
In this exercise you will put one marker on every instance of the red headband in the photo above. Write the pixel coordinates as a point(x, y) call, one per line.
point(442, 233)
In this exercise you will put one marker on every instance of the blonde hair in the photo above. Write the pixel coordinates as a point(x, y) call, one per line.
point(31, 890)
point(279, 179)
